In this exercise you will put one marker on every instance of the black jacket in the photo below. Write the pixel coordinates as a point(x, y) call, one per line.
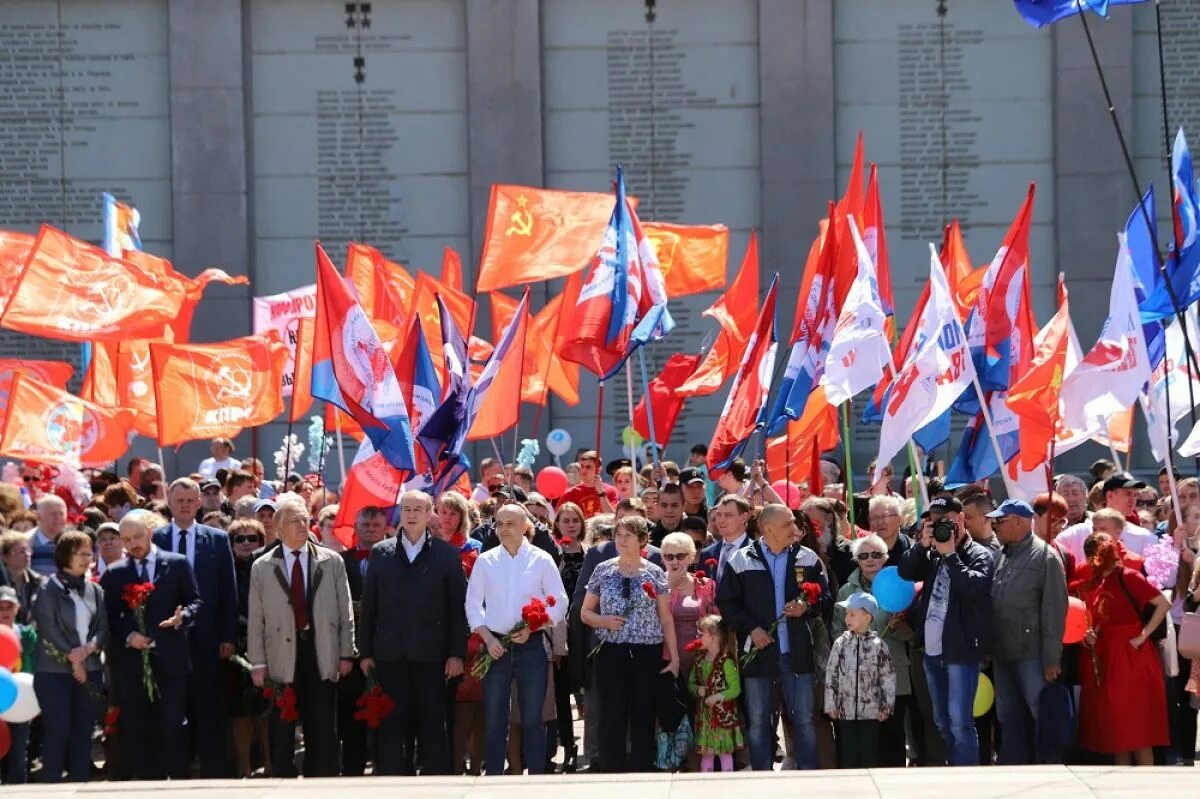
point(746, 597)
point(967, 633)
point(486, 534)
point(216, 622)
point(414, 611)
point(174, 586)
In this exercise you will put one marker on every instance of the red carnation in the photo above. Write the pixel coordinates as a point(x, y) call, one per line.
point(566, 540)
point(644, 552)
point(648, 587)
point(551, 601)
point(711, 563)
point(812, 593)
point(694, 645)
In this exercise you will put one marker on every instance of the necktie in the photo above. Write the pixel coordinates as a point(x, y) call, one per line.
point(142, 570)
point(726, 551)
point(299, 602)
point(182, 550)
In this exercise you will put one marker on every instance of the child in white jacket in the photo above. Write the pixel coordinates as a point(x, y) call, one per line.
point(860, 685)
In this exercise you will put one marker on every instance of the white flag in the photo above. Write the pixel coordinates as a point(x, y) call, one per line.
point(937, 371)
point(1110, 377)
point(859, 351)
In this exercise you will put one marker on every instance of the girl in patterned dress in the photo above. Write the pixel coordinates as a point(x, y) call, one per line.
point(714, 679)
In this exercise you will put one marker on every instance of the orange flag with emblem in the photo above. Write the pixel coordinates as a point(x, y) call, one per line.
point(735, 311)
point(544, 371)
point(54, 373)
point(691, 257)
point(500, 409)
point(385, 289)
point(135, 385)
point(100, 380)
point(461, 308)
point(192, 288)
point(73, 291)
point(212, 390)
point(14, 252)
point(452, 272)
point(46, 424)
point(816, 431)
point(540, 234)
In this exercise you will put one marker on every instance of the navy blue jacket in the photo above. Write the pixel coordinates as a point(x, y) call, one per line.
point(713, 552)
point(215, 578)
point(967, 632)
point(174, 586)
point(746, 597)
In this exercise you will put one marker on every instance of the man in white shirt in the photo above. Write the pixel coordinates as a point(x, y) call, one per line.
point(1120, 494)
point(491, 477)
point(503, 581)
point(222, 458)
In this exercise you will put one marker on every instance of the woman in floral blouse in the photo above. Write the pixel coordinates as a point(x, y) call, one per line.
point(627, 603)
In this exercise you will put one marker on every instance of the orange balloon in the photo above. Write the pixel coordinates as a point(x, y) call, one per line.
point(1076, 626)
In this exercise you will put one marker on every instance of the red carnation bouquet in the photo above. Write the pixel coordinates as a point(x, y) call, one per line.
point(811, 594)
point(533, 618)
point(649, 590)
point(135, 596)
point(374, 705)
point(285, 699)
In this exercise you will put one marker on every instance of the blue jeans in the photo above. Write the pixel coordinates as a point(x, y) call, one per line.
point(528, 665)
point(797, 691)
point(1019, 685)
point(68, 715)
point(952, 689)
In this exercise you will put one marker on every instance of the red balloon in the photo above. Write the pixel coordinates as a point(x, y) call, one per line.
point(10, 645)
point(789, 492)
point(1076, 626)
point(552, 482)
point(5, 738)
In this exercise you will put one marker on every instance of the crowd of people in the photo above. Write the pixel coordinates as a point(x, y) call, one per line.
point(215, 625)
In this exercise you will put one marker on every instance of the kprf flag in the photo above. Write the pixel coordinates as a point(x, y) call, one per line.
point(14, 252)
point(74, 291)
point(385, 289)
point(747, 401)
point(53, 373)
point(45, 423)
point(734, 311)
point(691, 257)
point(1044, 12)
point(539, 234)
point(623, 303)
point(192, 289)
point(859, 351)
point(282, 313)
point(1111, 375)
point(215, 390)
point(938, 369)
point(351, 369)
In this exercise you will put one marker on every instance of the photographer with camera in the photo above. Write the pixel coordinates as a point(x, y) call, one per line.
point(953, 621)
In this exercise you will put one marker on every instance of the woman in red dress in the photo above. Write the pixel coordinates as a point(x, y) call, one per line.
point(1122, 708)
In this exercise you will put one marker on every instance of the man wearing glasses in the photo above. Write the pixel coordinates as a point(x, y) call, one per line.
point(1029, 600)
point(883, 514)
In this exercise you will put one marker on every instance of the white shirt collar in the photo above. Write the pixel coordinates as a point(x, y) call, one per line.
point(737, 542)
point(413, 549)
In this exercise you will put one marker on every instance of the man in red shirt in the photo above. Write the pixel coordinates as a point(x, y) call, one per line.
point(592, 495)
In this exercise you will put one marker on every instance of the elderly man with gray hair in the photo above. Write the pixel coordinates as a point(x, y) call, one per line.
point(52, 520)
point(1074, 491)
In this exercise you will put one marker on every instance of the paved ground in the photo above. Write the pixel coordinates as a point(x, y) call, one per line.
point(1060, 782)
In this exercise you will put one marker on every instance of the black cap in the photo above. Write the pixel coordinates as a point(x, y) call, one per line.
point(700, 449)
point(511, 492)
point(693, 523)
point(1122, 480)
point(945, 505)
point(690, 475)
point(207, 484)
point(619, 463)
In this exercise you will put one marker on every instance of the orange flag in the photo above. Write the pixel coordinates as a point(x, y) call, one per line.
point(100, 380)
point(875, 240)
point(692, 257)
point(735, 311)
point(452, 273)
point(460, 305)
point(849, 211)
point(385, 289)
point(135, 385)
point(210, 390)
point(1034, 396)
point(46, 424)
point(817, 424)
point(540, 234)
point(544, 371)
point(500, 409)
point(964, 280)
point(73, 291)
point(192, 288)
point(350, 427)
point(14, 252)
point(54, 373)
point(302, 398)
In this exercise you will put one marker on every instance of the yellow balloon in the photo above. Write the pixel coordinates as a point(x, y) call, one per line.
point(985, 695)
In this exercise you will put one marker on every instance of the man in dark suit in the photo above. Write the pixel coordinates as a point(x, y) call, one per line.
point(214, 637)
point(153, 732)
point(732, 514)
point(414, 635)
point(371, 526)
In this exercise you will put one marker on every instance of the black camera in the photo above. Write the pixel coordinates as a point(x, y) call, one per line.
point(944, 529)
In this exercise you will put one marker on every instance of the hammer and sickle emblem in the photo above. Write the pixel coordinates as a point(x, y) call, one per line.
point(522, 220)
point(664, 250)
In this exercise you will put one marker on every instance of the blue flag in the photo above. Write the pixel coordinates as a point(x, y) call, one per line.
point(1045, 12)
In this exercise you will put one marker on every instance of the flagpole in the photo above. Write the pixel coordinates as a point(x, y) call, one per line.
point(649, 410)
point(629, 403)
point(912, 452)
point(599, 415)
point(987, 419)
point(337, 429)
point(1116, 456)
point(287, 464)
point(321, 462)
point(845, 413)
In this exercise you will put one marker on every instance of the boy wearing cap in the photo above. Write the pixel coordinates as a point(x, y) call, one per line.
point(860, 684)
point(14, 766)
point(1029, 601)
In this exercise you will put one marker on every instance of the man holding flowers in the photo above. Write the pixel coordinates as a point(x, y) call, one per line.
point(503, 583)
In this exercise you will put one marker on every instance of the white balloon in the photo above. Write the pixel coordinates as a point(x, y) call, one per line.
point(558, 442)
point(26, 707)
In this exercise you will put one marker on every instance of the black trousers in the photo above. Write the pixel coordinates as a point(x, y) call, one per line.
point(153, 733)
point(625, 681)
point(419, 691)
point(351, 732)
point(562, 709)
point(207, 722)
point(893, 749)
point(316, 701)
point(858, 744)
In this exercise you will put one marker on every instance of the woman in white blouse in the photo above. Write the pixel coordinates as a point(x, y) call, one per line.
point(502, 582)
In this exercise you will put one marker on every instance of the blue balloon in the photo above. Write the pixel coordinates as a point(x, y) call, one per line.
point(8, 690)
point(892, 592)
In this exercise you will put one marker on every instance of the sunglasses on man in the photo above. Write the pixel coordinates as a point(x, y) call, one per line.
point(871, 555)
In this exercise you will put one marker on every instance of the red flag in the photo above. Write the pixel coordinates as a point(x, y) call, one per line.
point(193, 289)
point(14, 252)
point(664, 398)
point(135, 385)
point(817, 423)
point(100, 380)
point(54, 373)
point(371, 481)
point(691, 257)
point(876, 243)
point(744, 406)
point(74, 291)
point(734, 311)
point(384, 288)
point(1007, 281)
point(452, 271)
point(460, 306)
point(46, 424)
point(964, 279)
point(1034, 397)
point(816, 483)
point(302, 398)
point(849, 211)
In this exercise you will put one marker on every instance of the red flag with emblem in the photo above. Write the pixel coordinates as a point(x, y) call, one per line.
point(46, 424)
point(691, 257)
